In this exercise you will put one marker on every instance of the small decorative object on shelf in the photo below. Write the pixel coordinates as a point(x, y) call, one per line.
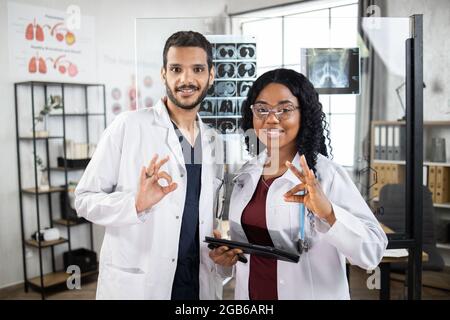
point(40, 121)
point(43, 184)
point(438, 153)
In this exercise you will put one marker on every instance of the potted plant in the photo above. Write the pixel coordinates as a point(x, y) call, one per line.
point(43, 184)
point(40, 121)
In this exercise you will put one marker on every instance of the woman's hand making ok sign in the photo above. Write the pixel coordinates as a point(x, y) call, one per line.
point(313, 198)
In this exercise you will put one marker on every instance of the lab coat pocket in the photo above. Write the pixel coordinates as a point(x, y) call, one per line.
point(287, 221)
point(126, 283)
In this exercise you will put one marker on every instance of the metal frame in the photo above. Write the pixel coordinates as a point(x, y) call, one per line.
point(32, 85)
point(412, 239)
point(414, 153)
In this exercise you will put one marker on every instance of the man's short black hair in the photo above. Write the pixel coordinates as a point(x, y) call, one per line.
point(188, 39)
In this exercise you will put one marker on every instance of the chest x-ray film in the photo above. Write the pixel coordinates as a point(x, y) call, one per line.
point(332, 70)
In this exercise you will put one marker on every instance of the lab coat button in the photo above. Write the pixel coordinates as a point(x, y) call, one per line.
point(182, 175)
point(281, 281)
point(173, 260)
point(177, 217)
point(202, 221)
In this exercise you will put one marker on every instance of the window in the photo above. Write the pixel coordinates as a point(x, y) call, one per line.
point(319, 24)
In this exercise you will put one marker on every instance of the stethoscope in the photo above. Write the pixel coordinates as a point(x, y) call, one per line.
point(303, 244)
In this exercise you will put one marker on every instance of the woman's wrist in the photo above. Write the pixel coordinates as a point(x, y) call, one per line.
point(330, 217)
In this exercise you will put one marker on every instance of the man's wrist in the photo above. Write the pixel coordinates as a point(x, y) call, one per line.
point(139, 208)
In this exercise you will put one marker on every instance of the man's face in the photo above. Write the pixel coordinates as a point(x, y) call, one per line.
point(186, 76)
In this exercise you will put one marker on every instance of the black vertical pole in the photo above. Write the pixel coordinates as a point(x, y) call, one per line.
point(414, 149)
point(87, 116)
point(49, 198)
point(36, 193)
point(66, 187)
point(22, 228)
point(49, 195)
point(86, 89)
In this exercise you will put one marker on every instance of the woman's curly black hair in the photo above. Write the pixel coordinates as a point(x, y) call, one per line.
point(313, 126)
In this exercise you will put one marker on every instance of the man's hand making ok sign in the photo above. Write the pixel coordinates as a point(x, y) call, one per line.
point(150, 191)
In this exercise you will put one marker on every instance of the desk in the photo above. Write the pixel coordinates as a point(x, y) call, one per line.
point(385, 269)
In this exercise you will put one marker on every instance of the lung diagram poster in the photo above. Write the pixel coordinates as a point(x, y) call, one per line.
point(50, 45)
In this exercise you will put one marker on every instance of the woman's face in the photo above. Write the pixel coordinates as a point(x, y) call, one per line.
point(272, 131)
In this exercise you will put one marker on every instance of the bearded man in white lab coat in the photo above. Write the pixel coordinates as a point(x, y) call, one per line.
point(152, 183)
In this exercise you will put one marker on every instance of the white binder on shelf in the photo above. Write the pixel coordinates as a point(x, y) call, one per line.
point(377, 144)
point(397, 152)
point(383, 142)
point(390, 142)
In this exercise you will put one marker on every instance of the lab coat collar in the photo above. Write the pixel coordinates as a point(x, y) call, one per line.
point(162, 119)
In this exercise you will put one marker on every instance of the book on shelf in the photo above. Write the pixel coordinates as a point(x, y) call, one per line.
point(389, 142)
point(432, 182)
point(383, 142)
point(441, 184)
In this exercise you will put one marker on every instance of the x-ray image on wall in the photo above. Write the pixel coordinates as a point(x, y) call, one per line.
point(332, 70)
point(234, 59)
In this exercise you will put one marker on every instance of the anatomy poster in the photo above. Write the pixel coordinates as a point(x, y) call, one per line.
point(51, 45)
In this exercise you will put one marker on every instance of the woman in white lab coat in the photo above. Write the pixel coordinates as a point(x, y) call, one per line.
point(335, 224)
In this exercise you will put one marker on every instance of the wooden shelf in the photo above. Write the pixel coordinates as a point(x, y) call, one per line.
point(45, 244)
point(402, 162)
point(76, 114)
point(441, 245)
point(59, 84)
point(68, 169)
point(436, 205)
point(56, 278)
point(51, 190)
point(389, 161)
point(40, 138)
point(437, 164)
point(65, 222)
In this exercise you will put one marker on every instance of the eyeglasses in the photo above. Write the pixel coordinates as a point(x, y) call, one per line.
point(282, 111)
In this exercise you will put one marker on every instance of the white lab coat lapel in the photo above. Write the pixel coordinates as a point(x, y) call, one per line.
point(208, 174)
point(245, 183)
point(275, 195)
point(162, 119)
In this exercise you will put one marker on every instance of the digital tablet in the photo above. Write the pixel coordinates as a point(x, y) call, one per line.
point(263, 251)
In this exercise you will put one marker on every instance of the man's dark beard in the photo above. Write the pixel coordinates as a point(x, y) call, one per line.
point(174, 100)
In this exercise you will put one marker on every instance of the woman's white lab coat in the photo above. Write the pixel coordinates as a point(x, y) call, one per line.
point(139, 254)
point(320, 274)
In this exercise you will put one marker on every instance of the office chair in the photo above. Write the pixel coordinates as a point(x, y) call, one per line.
point(392, 200)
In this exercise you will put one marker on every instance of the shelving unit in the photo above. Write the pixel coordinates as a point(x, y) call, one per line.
point(30, 193)
point(428, 125)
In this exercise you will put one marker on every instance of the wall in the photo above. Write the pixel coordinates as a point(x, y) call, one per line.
point(436, 69)
point(238, 6)
point(114, 34)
